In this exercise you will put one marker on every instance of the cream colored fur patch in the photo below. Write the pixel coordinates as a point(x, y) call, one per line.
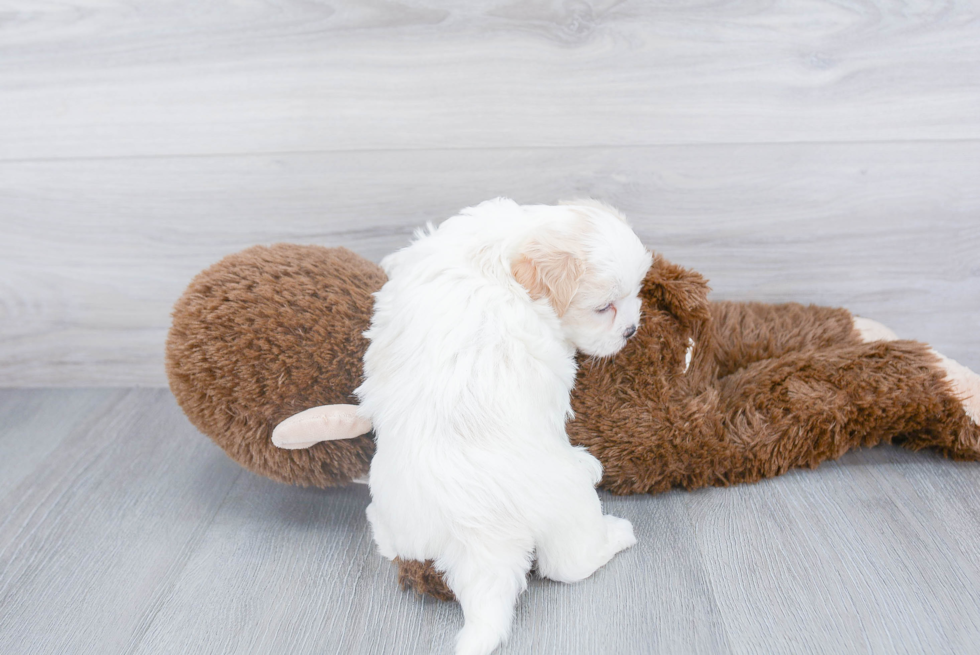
point(873, 330)
point(965, 383)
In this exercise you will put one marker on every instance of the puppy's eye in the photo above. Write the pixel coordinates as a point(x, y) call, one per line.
point(605, 308)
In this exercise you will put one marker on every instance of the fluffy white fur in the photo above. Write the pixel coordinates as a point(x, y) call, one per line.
point(467, 381)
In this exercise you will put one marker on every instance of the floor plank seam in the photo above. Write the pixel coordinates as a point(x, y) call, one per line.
point(19, 537)
point(173, 574)
point(705, 574)
point(512, 148)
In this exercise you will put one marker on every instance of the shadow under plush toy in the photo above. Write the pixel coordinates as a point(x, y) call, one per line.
point(706, 393)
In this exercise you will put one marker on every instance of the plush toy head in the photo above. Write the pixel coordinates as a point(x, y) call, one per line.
point(265, 334)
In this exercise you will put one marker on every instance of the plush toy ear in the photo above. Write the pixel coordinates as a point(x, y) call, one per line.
point(550, 268)
point(324, 423)
point(680, 291)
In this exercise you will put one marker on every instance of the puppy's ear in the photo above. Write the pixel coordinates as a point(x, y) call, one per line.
point(551, 269)
point(680, 291)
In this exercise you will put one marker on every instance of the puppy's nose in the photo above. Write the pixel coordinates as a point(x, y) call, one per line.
point(630, 331)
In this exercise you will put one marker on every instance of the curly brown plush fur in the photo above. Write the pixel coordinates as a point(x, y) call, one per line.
point(769, 388)
point(269, 332)
point(423, 578)
point(264, 334)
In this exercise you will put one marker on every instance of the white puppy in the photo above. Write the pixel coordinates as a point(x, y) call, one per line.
point(467, 381)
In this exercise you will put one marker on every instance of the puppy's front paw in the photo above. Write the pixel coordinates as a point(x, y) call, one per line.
point(619, 532)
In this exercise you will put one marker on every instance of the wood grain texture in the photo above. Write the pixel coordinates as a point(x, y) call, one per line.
point(136, 535)
point(834, 535)
point(95, 252)
point(816, 151)
point(35, 425)
point(143, 78)
point(821, 151)
point(91, 539)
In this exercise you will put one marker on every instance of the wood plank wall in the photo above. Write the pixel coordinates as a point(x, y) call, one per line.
point(816, 151)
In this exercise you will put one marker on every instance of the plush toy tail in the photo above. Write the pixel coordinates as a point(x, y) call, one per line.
point(324, 423)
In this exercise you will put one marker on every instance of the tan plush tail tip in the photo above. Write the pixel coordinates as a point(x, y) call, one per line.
point(324, 423)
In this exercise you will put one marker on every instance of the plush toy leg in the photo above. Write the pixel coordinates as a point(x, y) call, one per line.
point(745, 333)
point(801, 410)
point(794, 411)
point(964, 382)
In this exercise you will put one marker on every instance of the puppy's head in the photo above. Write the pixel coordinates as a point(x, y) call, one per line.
point(589, 265)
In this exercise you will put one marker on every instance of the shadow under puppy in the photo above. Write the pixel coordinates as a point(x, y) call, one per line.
point(467, 383)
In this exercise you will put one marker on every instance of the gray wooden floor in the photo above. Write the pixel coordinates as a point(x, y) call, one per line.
point(123, 530)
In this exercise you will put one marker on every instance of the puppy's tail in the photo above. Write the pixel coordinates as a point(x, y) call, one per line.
point(486, 580)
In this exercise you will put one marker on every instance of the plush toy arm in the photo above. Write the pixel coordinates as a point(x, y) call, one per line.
point(324, 423)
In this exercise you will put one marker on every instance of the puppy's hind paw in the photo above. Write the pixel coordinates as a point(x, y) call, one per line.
point(619, 532)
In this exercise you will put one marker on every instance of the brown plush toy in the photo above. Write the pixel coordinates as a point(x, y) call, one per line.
point(706, 393)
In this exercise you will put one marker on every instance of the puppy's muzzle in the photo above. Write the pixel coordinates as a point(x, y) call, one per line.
point(630, 331)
